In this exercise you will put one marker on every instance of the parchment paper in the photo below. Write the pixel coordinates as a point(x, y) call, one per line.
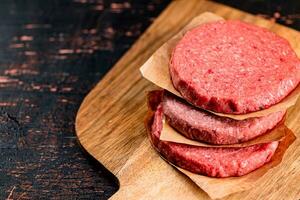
point(171, 135)
point(221, 187)
point(156, 70)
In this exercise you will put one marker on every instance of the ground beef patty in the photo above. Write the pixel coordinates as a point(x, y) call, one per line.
point(210, 161)
point(233, 67)
point(200, 125)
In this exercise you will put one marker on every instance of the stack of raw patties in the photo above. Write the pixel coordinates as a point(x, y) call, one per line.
point(222, 70)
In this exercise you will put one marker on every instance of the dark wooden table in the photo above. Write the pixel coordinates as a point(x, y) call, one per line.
point(52, 53)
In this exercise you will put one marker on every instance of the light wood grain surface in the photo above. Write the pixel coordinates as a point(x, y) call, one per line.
point(109, 123)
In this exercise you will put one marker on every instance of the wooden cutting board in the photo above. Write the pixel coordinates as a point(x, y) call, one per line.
point(110, 127)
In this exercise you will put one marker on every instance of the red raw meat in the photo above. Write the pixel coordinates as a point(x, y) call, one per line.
point(203, 126)
point(209, 161)
point(234, 67)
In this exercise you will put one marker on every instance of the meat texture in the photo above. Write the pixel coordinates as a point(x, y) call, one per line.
point(234, 67)
point(200, 125)
point(209, 161)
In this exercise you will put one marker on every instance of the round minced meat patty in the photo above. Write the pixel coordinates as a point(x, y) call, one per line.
point(210, 161)
point(233, 67)
point(203, 126)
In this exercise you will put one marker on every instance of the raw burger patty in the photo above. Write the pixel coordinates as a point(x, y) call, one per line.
point(233, 67)
point(209, 161)
point(200, 125)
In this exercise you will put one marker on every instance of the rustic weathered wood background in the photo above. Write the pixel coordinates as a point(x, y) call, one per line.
point(52, 53)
